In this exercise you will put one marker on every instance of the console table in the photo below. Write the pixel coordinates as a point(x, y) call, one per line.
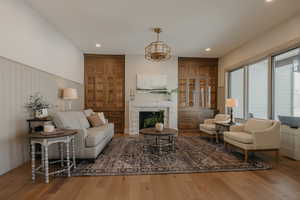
point(61, 136)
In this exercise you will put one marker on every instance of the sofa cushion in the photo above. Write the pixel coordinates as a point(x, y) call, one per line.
point(71, 120)
point(95, 120)
point(102, 117)
point(242, 137)
point(88, 112)
point(253, 125)
point(95, 135)
point(210, 127)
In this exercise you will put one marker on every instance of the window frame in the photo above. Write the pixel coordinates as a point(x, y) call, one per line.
point(270, 77)
point(272, 58)
point(268, 85)
point(246, 86)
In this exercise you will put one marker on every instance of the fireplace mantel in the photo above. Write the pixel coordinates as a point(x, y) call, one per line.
point(169, 108)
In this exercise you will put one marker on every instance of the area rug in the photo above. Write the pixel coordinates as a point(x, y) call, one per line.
point(125, 156)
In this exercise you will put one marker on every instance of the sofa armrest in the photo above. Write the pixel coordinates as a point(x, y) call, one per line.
point(268, 137)
point(209, 121)
point(81, 133)
point(237, 128)
point(223, 121)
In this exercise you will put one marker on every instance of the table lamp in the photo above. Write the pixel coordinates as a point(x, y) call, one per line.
point(69, 94)
point(231, 103)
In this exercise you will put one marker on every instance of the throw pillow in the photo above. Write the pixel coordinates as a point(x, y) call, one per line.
point(94, 120)
point(102, 118)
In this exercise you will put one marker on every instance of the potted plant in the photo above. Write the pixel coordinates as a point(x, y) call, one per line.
point(172, 94)
point(39, 105)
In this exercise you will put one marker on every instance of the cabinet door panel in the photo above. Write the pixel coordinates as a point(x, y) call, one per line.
point(197, 94)
point(104, 87)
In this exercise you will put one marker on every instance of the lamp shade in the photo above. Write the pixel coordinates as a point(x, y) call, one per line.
point(69, 93)
point(231, 103)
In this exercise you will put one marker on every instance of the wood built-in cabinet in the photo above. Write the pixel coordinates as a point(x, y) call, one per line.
point(104, 86)
point(197, 95)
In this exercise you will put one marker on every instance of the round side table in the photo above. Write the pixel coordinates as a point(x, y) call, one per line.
point(60, 136)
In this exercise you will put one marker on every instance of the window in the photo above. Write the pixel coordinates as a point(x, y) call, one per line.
point(236, 91)
point(258, 89)
point(251, 87)
point(286, 72)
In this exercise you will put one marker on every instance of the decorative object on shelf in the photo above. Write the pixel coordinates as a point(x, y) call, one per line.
point(159, 127)
point(132, 94)
point(231, 103)
point(39, 105)
point(158, 50)
point(69, 94)
point(36, 124)
point(48, 128)
point(172, 94)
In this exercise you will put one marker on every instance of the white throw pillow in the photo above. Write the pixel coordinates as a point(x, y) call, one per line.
point(102, 117)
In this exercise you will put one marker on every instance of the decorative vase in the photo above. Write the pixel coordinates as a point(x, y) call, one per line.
point(41, 113)
point(159, 126)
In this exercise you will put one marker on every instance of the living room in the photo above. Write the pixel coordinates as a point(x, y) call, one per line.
point(150, 99)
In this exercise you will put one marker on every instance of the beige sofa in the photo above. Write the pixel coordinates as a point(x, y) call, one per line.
point(89, 142)
point(209, 126)
point(255, 135)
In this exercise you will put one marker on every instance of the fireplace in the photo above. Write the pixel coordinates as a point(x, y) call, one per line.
point(148, 119)
point(168, 108)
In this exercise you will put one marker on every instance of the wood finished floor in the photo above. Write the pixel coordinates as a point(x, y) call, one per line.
point(282, 182)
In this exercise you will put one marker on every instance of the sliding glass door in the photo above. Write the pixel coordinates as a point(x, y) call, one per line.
point(258, 89)
point(236, 91)
point(251, 86)
point(286, 83)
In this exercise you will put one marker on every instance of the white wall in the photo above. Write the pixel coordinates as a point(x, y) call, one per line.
point(138, 64)
point(34, 57)
point(280, 37)
point(17, 83)
point(27, 38)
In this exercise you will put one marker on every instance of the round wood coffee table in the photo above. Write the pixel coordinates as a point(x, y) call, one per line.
point(159, 141)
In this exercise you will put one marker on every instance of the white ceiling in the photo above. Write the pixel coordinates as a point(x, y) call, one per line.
point(190, 26)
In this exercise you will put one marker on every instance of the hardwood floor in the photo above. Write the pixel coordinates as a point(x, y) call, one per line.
point(282, 182)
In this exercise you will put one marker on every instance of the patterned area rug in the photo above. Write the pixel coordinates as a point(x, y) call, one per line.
point(125, 156)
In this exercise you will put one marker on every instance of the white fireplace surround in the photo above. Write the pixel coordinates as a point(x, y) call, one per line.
point(169, 108)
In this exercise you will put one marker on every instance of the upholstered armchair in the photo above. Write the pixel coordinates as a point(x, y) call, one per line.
point(255, 135)
point(209, 125)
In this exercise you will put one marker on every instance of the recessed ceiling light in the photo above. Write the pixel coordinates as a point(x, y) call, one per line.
point(98, 45)
point(208, 49)
point(268, 1)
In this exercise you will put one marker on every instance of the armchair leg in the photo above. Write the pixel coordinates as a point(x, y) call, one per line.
point(246, 155)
